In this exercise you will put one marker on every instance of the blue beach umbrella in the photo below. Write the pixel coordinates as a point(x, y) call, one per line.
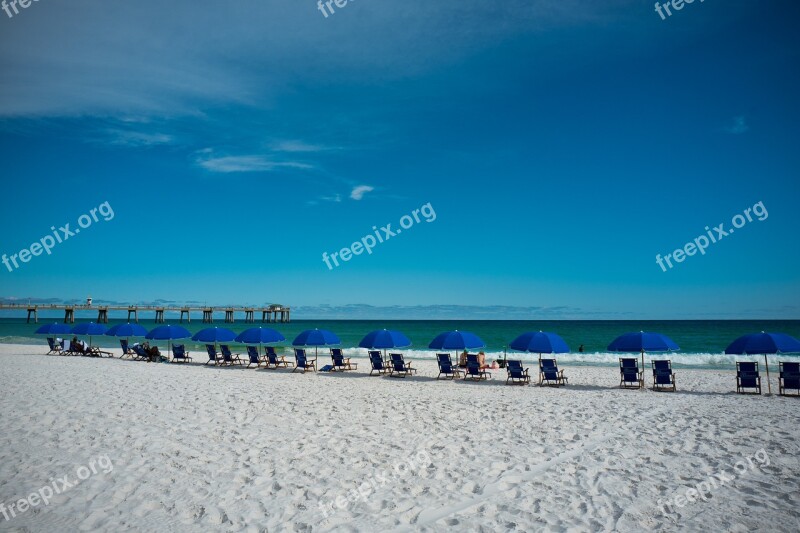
point(642, 342)
point(214, 335)
point(456, 340)
point(316, 338)
point(260, 336)
point(89, 328)
point(764, 343)
point(54, 329)
point(127, 330)
point(384, 339)
point(539, 342)
point(168, 333)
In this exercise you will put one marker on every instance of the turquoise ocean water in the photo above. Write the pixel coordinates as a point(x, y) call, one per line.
point(702, 342)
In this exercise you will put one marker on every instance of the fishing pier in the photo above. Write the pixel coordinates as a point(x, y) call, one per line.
point(272, 313)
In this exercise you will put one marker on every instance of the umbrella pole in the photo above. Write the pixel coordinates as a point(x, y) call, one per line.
point(643, 370)
point(766, 365)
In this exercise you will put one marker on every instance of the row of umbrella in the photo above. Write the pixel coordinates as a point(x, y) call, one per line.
point(540, 342)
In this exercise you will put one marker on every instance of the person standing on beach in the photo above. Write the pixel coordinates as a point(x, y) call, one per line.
point(580, 348)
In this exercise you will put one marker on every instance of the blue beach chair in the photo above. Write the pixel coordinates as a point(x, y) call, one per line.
point(378, 365)
point(789, 378)
point(141, 353)
point(663, 377)
point(400, 367)
point(340, 362)
point(229, 358)
point(275, 360)
point(475, 372)
point(516, 374)
point(255, 358)
point(126, 349)
point(630, 377)
point(747, 377)
point(213, 356)
point(179, 354)
point(303, 362)
point(550, 375)
point(446, 367)
point(75, 348)
point(55, 347)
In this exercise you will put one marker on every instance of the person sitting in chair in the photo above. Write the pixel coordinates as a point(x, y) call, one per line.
point(76, 346)
point(153, 353)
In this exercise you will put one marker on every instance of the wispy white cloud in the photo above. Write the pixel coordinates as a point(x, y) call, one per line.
point(118, 64)
point(245, 163)
point(358, 192)
point(139, 138)
point(336, 198)
point(738, 126)
point(298, 146)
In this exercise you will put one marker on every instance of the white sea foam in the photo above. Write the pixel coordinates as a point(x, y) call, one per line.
point(697, 360)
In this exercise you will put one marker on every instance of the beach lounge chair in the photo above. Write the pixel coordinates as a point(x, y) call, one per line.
point(95, 351)
point(76, 348)
point(398, 362)
point(446, 367)
point(517, 374)
point(303, 362)
point(398, 368)
point(229, 358)
point(179, 354)
point(663, 377)
point(378, 365)
point(140, 353)
point(213, 356)
point(126, 349)
point(340, 362)
point(275, 360)
point(475, 372)
point(747, 377)
point(789, 378)
point(630, 377)
point(55, 347)
point(550, 375)
point(254, 357)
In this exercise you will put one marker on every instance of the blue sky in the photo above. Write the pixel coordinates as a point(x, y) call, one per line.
point(562, 146)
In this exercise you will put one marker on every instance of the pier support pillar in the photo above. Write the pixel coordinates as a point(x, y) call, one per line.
point(102, 315)
point(229, 316)
point(32, 311)
point(188, 318)
point(135, 312)
point(159, 315)
point(248, 315)
point(69, 315)
point(208, 315)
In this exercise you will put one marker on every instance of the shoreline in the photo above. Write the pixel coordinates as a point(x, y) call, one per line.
point(683, 361)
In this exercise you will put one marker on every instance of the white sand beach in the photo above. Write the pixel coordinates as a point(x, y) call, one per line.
point(192, 448)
